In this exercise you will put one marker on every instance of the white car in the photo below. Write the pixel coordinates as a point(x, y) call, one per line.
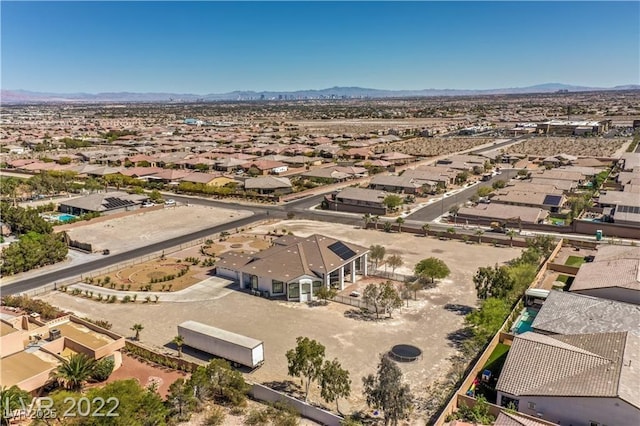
point(148, 204)
point(170, 202)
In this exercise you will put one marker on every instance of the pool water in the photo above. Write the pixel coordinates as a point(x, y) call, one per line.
point(525, 320)
point(66, 217)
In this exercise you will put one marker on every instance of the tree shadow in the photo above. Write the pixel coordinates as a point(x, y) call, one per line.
point(287, 387)
point(317, 303)
point(458, 337)
point(458, 309)
point(361, 315)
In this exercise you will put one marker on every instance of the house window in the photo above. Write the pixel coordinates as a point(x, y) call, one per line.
point(316, 286)
point(592, 423)
point(277, 287)
point(306, 288)
point(294, 291)
point(254, 282)
point(532, 405)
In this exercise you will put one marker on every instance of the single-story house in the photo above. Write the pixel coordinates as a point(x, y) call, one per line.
point(512, 215)
point(614, 274)
point(357, 200)
point(566, 312)
point(268, 185)
point(266, 166)
point(404, 184)
point(209, 179)
point(103, 202)
point(296, 267)
point(551, 202)
point(579, 379)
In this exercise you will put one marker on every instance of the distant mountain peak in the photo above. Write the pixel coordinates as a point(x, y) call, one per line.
point(336, 92)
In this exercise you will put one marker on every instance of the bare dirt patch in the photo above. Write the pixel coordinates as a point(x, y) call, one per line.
point(578, 146)
point(148, 227)
point(428, 322)
point(431, 147)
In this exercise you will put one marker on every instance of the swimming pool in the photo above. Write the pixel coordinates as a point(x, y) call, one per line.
point(524, 321)
point(65, 217)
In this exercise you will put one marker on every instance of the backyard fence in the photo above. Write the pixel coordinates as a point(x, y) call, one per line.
point(352, 301)
point(392, 275)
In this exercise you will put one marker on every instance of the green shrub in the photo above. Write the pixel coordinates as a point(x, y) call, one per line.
point(103, 369)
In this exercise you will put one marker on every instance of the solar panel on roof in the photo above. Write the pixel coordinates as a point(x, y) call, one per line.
point(552, 200)
point(114, 203)
point(341, 250)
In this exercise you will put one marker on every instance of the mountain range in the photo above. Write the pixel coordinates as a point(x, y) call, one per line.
point(24, 96)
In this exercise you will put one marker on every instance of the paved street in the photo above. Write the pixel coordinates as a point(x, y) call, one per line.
point(434, 210)
point(35, 282)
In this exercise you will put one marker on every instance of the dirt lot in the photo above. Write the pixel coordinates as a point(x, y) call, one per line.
point(430, 147)
point(579, 146)
point(430, 322)
point(147, 227)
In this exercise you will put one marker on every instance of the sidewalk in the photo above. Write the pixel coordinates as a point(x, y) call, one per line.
point(73, 258)
point(210, 289)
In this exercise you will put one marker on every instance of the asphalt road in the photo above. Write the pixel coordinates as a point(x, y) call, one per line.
point(432, 211)
point(59, 275)
point(500, 145)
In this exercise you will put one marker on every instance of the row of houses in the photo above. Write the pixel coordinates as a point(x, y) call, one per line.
point(580, 363)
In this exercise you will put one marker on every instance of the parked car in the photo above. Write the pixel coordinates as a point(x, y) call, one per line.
point(148, 204)
point(170, 202)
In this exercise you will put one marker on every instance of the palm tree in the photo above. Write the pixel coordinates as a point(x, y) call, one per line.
point(366, 218)
point(375, 221)
point(400, 221)
point(425, 229)
point(74, 372)
point(179, 341)
point(511, 233)
point(137, 328)
point(479, 233)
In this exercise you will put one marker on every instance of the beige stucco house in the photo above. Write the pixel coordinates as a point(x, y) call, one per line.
point(295, 267)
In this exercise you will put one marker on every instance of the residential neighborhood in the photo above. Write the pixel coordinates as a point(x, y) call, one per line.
point(320, 213)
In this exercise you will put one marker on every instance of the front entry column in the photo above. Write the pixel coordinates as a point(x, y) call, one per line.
point(341, 277)
point(353, 271)
point(364, 263)
point(327, 280)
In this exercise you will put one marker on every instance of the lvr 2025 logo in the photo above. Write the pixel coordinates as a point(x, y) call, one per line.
point(44, 408)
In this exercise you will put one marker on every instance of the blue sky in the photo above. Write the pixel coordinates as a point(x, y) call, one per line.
point(215, 47)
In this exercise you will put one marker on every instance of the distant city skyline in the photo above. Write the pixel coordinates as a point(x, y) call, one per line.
point(219, 47)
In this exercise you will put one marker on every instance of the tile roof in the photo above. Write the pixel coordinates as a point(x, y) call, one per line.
point(504, 212)
point(104, 201)
point(291, 257)
point(517, 419)
point(572, 313)
point(612, 267)
point(362, 194)
point(584, 365)
point(267, 182)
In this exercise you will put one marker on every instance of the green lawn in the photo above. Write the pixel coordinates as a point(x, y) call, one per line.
point(574, 261)
point(500, 350)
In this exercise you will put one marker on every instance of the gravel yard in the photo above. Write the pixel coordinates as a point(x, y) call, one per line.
point(150, 226)
point(430, 322)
